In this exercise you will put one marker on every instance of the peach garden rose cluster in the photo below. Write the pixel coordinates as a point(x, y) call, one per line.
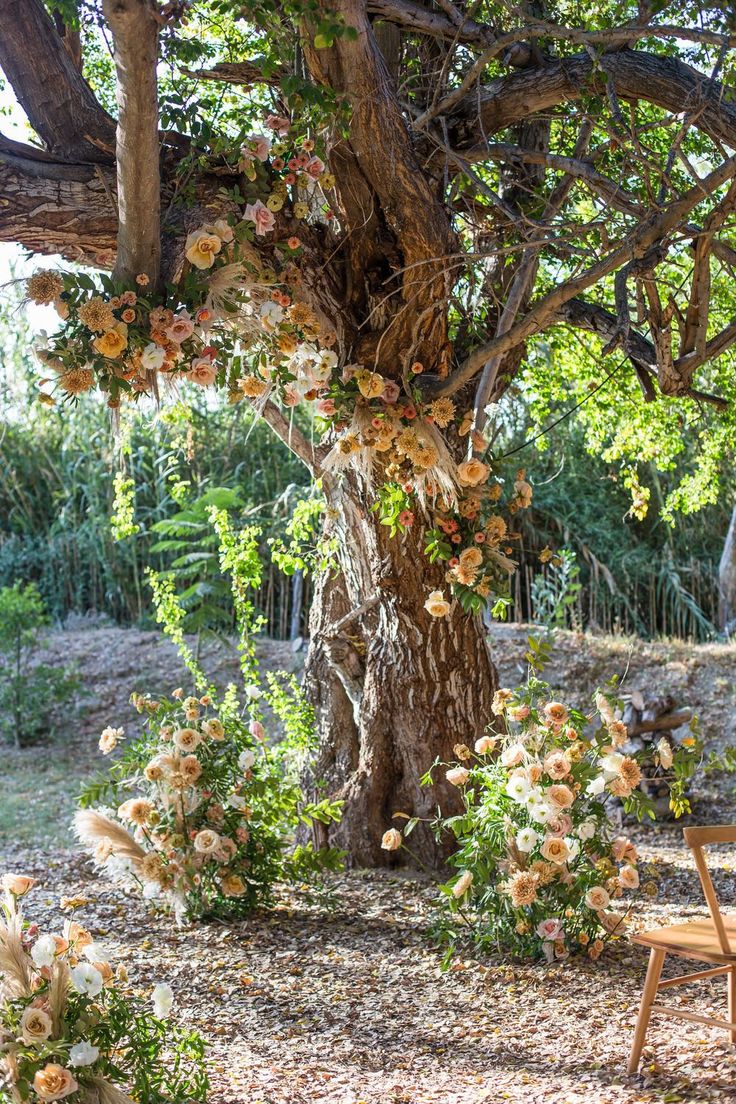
point(195, 827)
point(72, 1028)
point(227, 307)
point(542, 871)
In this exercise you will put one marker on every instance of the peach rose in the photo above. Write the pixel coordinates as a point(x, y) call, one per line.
point(53, 1082)
point(485, 744)
point(624, 850)
point(206, 841)
point(458, 776)
point(628, 876)
point(202, 247)
point(555, 850)
point(35, 1026)
point(437, 605)
point(232, 886)
point(597, 898)
point(560, 796)
point(555, 713)
point(17, 884)
point(557, 764)
point(202, 372)
point(472, 472)
point(391, 840)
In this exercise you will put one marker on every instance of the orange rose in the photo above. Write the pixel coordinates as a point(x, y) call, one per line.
point(53, 1082)
point(111, 344)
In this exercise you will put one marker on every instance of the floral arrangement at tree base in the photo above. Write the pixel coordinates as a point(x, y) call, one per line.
point(194, 832)
point(543, 872)
point(71, 1030)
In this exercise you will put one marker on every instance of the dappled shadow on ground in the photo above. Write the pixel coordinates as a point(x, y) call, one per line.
point(308, 1006)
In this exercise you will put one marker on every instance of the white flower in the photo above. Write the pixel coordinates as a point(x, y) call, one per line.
point(271, 316)
point(43, 951)
point(596, 786)
point(574, 846)
point(151, 890)
point(518, 787)
point(246, 759)
point(87, 979)
point(611, 764)
point(586, 829)
point(253, 692)
point(664, 753)
point(163, 999)
point(542, 812)
point(526, 840)
point(605, 708)
point(153, 357)
point(236, 801)
point(83, 1054)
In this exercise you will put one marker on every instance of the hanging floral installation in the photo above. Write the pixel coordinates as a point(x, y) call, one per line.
point(71, 1027)
point(229, 321)
point(544, 868)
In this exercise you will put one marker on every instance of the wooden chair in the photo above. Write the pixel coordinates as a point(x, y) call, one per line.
point(709, 940)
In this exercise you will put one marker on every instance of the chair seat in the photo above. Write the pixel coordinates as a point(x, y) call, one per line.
point(696, 939)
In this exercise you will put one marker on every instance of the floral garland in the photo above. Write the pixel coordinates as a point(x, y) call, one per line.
point(231, 321)
point(71, 1029)
point(541, 865)
point(198, 837)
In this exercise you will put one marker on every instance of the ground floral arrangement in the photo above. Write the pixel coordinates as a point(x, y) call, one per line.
point(234, 322)
point(543, 871)
point(70, 1027)
point(205, 832)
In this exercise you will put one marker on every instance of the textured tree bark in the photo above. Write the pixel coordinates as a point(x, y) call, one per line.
point(393, 688)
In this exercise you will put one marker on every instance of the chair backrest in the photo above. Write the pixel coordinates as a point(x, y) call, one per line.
point(697, 839)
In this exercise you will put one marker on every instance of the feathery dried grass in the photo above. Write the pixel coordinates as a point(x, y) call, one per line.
point(91, 827)
point(15, 973)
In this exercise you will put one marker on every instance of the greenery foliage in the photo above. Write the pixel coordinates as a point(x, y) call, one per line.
point(29, 691)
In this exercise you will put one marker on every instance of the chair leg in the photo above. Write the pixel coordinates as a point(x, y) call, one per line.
point(731, 979)
point(648, 996)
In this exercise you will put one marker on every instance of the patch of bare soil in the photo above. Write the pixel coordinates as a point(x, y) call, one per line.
point(304, 1005)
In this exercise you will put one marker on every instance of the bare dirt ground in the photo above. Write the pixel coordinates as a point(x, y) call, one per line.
point(309, 1006)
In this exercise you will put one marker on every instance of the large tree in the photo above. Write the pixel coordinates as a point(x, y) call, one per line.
point(499, 174)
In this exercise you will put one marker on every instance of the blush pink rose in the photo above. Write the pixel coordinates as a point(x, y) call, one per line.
point(326, 407)
point(260, 215)
point(315, 167)
point(180, 329)
point(202, 371)
point(390, 392)
point(277, 123)
point(550, 929)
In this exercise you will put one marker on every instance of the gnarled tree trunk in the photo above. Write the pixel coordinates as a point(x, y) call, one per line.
point(393, 687)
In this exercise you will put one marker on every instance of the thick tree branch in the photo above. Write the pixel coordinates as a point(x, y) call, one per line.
point(633, 74)
point(135, 33)
point(55, 207)
point(310, 455)
point(247, 73)
point(604, 324)
point(50, 88)
point(635, 245)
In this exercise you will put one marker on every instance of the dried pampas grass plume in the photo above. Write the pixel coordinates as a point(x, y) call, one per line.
point(100, 1091)
point(92, 827)
point(15, 974)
